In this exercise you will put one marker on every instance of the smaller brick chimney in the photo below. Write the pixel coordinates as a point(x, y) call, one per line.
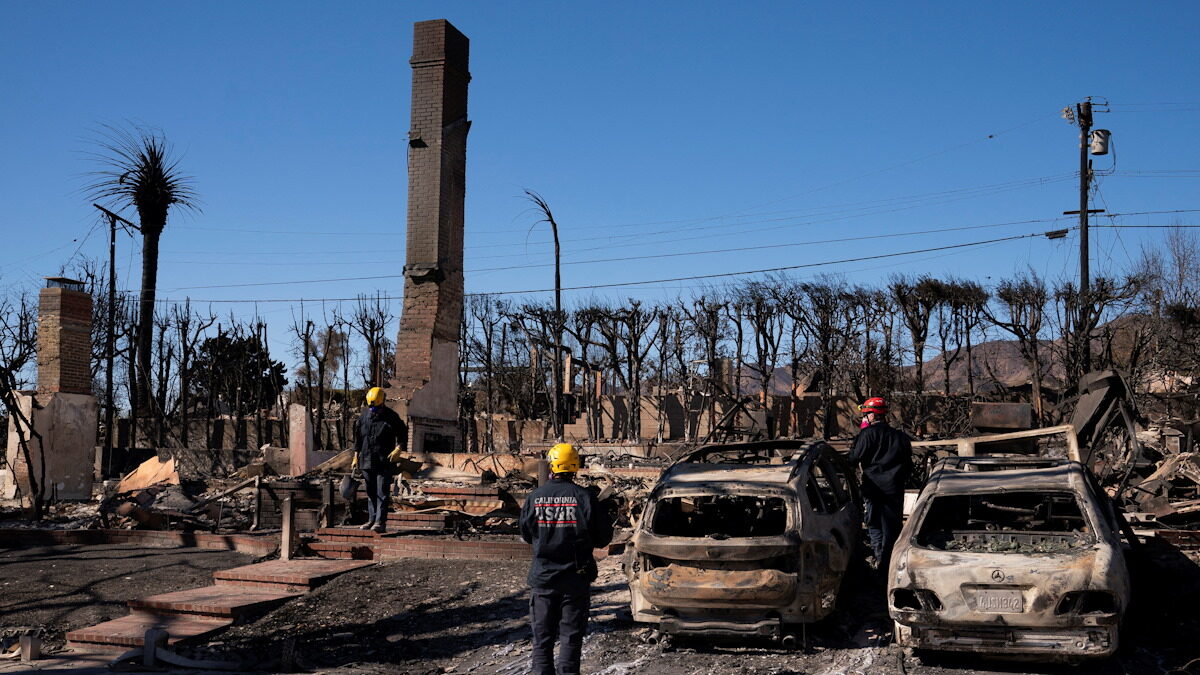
point(64, 349)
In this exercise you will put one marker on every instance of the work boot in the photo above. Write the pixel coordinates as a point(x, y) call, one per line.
point(367, 525)
point(380, 527)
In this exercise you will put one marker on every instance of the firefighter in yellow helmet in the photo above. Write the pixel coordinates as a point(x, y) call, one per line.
point(378, 435)
point(564, 522)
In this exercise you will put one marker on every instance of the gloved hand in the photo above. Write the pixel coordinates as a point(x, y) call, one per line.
point(396, 455)
point(354, 462)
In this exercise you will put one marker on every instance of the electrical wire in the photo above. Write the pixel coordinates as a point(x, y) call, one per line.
point(659, 255)
point(647, 257)
point(878, 205)
point(663, 281)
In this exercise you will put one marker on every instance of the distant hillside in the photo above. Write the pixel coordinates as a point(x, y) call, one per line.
point(996, 362)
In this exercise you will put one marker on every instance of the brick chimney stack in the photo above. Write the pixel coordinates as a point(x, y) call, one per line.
point(426, 384)
point(63, 410)
point(64, 348)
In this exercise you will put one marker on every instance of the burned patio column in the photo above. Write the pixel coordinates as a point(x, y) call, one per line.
point(425, 389)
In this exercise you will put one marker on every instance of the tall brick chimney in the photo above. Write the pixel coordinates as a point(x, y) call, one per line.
point(426, 385)
point(64, 348)
point(63, 410)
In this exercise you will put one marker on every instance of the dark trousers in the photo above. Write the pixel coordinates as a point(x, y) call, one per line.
point(884, 512)
point(562, 616)
point(378, 487)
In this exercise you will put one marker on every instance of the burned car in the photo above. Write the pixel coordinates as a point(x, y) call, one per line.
point(1010, 556)
point(744, 539)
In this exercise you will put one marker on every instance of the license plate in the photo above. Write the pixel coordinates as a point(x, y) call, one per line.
point(999, 601)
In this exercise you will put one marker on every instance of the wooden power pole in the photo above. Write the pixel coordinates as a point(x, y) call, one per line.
point(110, 332)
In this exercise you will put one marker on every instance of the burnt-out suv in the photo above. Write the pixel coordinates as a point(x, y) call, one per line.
point(1010, 556)
point(744, 539)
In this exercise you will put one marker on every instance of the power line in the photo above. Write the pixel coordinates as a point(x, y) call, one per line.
point(684, 254)
point(674, 279)
point(833, 208)
point(647, 286)
point(620, 259)
point(1156, 227)
point(656, 255)
point(877, 205)
point(645, 257)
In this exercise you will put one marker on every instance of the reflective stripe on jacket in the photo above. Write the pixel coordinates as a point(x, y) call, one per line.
point(564, 522)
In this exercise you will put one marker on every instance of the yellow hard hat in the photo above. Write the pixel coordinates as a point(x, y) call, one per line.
point(563, 458)
point(375, 396)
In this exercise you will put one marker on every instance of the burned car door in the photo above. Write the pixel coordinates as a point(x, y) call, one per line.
point(831, 499)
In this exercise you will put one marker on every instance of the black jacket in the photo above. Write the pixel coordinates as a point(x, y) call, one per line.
point(564, 522)
point(376, 434)
point(885, 454)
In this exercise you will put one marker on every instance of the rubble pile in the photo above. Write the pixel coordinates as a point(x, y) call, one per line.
point(175, 490)
point(1148, 466)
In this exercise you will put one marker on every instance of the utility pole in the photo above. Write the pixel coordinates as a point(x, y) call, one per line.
point(110, 331)
point(1083, 117)
point(1083, 112)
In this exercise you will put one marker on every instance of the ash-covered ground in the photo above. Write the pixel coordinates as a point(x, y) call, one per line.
point(447, 616)
point(425, 616)
point(61, 588)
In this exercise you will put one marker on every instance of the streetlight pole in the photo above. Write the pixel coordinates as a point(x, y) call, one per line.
point(558, 337)
point(557, 379)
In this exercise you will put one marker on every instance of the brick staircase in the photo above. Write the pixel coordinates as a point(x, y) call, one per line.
point(476, 501)
point(196, 613)
point(351, 543)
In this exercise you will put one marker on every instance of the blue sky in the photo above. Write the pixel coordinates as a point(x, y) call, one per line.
point(650, 128)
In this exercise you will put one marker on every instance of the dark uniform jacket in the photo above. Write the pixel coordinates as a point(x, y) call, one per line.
point(564, 522)
point(885, 454)
point(376, 434)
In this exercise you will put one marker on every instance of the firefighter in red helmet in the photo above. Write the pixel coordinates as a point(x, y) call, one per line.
point(885, 454)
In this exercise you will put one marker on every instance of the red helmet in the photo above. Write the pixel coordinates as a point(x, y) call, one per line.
point(874, 404)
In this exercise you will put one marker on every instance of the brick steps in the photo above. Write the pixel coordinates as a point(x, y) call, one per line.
point(448, 492)
point(306, 574)
point(351, 534)
point(232, 602)
point(473, 500)
point(475, 506)
point(128, 631)
point(342, 551)
point(196, 613)
point(430, 522)
point(451, 549)
point(336, 543)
